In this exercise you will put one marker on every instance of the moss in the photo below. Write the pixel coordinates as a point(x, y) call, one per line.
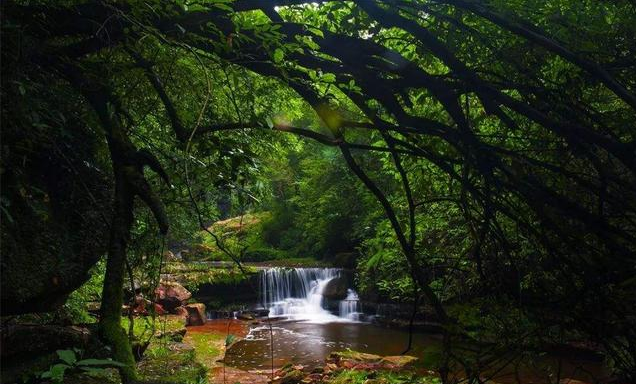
point(355, 355)
point(208, 346)
point(112, 331)
point(298, 262)
point(350, 377)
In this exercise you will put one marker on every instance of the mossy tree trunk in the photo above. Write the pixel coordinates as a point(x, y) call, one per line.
point(110, 328)
point(130, 182)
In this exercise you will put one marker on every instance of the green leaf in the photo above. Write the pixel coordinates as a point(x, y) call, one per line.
point(279, 54)
point(329, 77)
point(224, 7)
point(112, 363)
point(67, 356)
point(56, 372)
point(316, 31)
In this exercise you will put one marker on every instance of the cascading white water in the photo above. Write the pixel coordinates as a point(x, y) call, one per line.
point(297, 293)
point(350, 306)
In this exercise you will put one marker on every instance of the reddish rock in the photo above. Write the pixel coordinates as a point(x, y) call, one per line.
point(314, 377)
point(159, 310)
point(196, 314)
point(180, 311)
point(140, 305)
point(347, 364)
point(171, 295)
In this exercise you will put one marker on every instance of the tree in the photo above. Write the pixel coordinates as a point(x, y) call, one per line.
point(528, 109)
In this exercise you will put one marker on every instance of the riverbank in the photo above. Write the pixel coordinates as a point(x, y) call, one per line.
point(209, 344)
point(198, 357)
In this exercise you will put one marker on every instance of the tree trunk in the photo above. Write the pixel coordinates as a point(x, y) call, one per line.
point(110, 328)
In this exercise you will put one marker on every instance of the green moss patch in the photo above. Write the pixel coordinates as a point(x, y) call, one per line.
point(371, 377)
point(209, 346)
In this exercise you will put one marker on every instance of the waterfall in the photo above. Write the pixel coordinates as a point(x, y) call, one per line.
point(298, 293)
point(350, 306)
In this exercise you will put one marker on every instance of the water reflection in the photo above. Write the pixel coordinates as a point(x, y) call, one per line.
point(309, 344)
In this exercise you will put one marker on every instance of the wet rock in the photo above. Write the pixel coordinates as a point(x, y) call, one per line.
point(336, 289)
point(362, 357)
point(399, 361)
point(261, 312)
point(245, 316)
point(292, 377)
point(196, 314)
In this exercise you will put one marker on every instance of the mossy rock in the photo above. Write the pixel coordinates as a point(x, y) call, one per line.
point(292, 377)
point(403, 361)
point(355, 355)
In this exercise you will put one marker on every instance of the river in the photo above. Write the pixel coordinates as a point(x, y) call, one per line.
point(303, 331)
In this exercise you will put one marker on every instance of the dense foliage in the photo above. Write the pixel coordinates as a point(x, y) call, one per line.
point(478, 155)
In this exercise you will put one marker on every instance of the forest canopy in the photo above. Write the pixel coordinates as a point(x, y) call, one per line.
point(473, 152)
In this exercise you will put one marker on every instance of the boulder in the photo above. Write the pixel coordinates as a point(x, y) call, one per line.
point(171, 295)
point(196, 314)
point(159, 310)
point(181, 311)
point(336, 289)
point(292, 377)
point(245, 316)
point(140, 305)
